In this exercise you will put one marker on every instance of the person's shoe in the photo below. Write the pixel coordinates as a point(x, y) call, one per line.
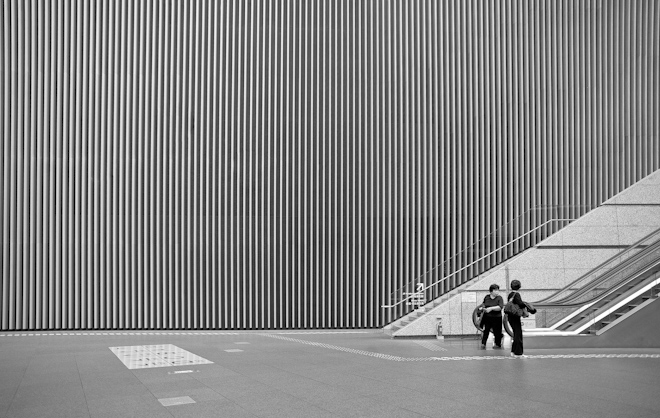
point(483, 346)
point(497, 347)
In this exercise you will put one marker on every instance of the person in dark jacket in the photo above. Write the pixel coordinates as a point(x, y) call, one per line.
point(515, 321)
point(492, 316)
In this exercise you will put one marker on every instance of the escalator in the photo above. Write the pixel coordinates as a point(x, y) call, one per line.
point(591, 315)
point(604, 297)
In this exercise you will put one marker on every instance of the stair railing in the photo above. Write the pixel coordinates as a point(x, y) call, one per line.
point(502, 232)
point(421, 290)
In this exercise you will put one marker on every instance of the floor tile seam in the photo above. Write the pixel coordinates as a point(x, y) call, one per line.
point(13, 398)
point(416, 412)
point(208, 387)
point(150, 391)
point(311, 378)
point(285, 393)
point(597, 398)
point(564, 392)
point(253, 379)
point(81, 385)
point(432, 392)
point(304, 400)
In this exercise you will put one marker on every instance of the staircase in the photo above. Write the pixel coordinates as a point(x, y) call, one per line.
point(422, 311)
point(552, 264)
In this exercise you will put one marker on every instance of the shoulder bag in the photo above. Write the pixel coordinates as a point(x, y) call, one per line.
point(513, 309)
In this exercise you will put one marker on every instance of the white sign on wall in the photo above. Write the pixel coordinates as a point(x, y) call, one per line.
point(528, 323)
point(417, 298)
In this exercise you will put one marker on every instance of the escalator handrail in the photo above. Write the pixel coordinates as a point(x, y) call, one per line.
point(608, 292)
point(607, 274)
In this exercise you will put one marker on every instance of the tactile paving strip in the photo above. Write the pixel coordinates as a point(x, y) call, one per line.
point(460, 358)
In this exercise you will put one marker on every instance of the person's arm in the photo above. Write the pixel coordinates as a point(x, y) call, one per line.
point(500, 305)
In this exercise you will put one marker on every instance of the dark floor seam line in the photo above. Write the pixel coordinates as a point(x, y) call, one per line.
point(623, 404)
point(18, 387)
point(229, 399)
point(75, 356)
point(311, 378)
point(152, 394)
point(277, 389)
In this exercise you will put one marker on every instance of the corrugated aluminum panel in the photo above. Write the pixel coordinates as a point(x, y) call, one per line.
point(247, 164)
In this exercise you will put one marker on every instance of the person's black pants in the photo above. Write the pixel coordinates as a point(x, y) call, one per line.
point(494, 324)
point(516, 326)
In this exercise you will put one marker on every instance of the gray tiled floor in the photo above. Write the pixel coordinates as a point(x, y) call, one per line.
point(78, 376)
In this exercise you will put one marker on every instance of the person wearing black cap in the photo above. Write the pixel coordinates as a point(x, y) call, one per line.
point(492, 316)
point(515, 321)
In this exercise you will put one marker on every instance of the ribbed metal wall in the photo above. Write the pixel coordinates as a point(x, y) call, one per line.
point(289, 164)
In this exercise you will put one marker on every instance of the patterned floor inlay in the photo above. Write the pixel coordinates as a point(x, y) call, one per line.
point(160, 355)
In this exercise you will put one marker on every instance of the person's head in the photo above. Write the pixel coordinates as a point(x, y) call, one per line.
point(494, 289)
point(515, 285)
